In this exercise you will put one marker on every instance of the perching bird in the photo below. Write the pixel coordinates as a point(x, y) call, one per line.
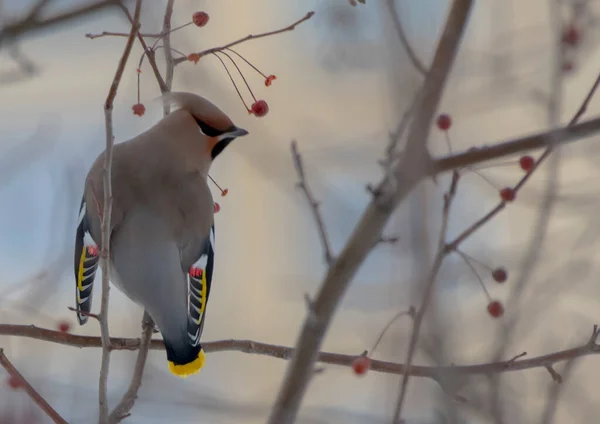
point(162, 230)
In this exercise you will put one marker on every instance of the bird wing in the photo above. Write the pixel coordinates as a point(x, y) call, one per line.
point(199, 277)
point(86, 262)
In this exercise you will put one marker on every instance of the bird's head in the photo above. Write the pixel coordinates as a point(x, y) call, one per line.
point(212, 121)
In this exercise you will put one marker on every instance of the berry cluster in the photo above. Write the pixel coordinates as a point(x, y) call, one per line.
point(258, 107)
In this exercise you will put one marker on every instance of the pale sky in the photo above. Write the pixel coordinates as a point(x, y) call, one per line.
point(338, 93)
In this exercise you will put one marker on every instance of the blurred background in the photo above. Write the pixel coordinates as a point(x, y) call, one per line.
point(343, 82)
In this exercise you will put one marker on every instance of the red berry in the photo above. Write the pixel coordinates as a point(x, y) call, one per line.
point(571, 35)
point(216, 208)
point(260, 108)
point(507, 194)
point(269, 80)
point(499, 275)
point(361, 365)
point(200, 18)
point(14, 382)
point(64, 326)
point(138, 109)
point(193, 57)
point(495, 309)
point(526, 163)
point(224, 192)
point(444, 122)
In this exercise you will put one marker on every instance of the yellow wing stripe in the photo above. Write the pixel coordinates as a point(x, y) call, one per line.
point(202, 297)
point(81, 271)
point(203, 293)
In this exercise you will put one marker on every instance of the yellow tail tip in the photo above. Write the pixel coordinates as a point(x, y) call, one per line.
point(188, 369)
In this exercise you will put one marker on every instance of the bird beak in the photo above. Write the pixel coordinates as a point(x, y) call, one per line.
point(233, 133)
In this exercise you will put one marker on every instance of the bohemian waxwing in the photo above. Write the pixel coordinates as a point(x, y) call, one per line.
point(162, 229)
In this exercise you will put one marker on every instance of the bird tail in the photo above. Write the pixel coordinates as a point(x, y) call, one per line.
point(184, 360)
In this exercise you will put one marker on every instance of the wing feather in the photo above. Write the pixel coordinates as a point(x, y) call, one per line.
point(85, 264)
point(199, 278)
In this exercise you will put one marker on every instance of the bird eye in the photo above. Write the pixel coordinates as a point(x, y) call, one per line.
point(207, 129)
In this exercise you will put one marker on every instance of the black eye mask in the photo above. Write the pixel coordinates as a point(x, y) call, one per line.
point(208, 130)
point(220, 146)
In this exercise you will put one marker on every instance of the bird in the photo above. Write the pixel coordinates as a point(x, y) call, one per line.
point(162, 234)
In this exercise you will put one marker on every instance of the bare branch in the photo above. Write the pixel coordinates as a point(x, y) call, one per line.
point(427, 293)
point(118, 34)
point(555, 391)
point(314, 205)
point(478, 155)
point(150, 54)
point(168, 53)
point(390, 150)
point(556, 377)
point(286, 353)
point(519, 356)
point(122, 409)
point(391, 4)
point(250, 37)
point(31, 22)
point(390, 192)
point(106, 216)
point(33, 394)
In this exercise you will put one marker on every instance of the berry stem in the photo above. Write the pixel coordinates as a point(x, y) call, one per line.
point(492, 165)
point(232, 81)
point(448, 142)
point(410, 312)
point(218, 186)
point(241, 74)
point(138, 87)
point(470, 265)
point(477, 261)
point(247, 61)
point(482, 176)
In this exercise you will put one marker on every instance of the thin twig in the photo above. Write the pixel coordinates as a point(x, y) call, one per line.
point(106, 216)
point(122, 409)
point(314, 205)
point(391, 4)
point(556, 377)
point(250, 37)
point(84, 313)
point(555, 391)
point(590, 347)
point(396, 135)
point(118, 34)
point(150, 54)
point(427, 293)
point(393, 188)
point(168, 53)
point(33, 394)
point(411, 313)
